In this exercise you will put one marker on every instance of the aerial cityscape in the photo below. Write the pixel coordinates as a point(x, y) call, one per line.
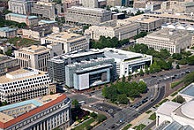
point(96, 65)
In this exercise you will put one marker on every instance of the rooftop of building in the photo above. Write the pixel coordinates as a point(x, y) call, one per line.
point(42, 27)
point(142, 19)
point(189, 90)
point(61, 58)
point(64, 35)
point(20, 74)
point(169, 34)
point(22, 16)
point(47, 22)
point(121, 55)
point(3, 57)
point(7, 29)
point(34, 49)
point(168, 107)
point(40, 103)
point(89, 9)
point(177, 126)
point(170, 15)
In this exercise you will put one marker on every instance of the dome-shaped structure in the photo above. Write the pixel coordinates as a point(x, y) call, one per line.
point(187, 109)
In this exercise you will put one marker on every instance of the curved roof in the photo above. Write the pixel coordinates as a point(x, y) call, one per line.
point(187, 109)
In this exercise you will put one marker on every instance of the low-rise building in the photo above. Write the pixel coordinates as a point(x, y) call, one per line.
point(70, 3)
point(170, 39)
point(20, 6)
point(29, 20)
point(42, 113)
point(70, 41)
point(49, 10)
point(56, 65)
point(85, 74)
point(127, 62)
point(8, 32)
point(114, 28)
point(8, 64)
point(147, 23)
point(187, 93)
point(36, 56)
point(85, 15)
point(37, 32)
point(177, 7)
point(25, 83)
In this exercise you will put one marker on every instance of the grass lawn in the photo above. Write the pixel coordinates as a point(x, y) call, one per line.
point(139, 127)
point(85, 125)
point(148, 111)
point(175, 84)
point(22, 42)
point(153, 116)
point(127, 127)
point(163, 101)
point(175, 93)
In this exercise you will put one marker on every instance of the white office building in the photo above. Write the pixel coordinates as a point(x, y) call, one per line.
point(26, 83)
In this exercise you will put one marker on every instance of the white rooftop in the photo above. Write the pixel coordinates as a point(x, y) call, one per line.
point(168, 107)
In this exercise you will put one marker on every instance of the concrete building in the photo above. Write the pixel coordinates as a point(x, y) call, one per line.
point(85, 74)
point(70, 41)
point(114, 2)
point(188, 92)
point(20, 6)
point(48, 10)
point(171, 17)
point(37, 32)
point(35, 56)
point(90, 3)
point(29, 20)
point(7, 64)
point(139, 3)
point(43, 113)
point(127, 62)
point(83, 15)
point(8, 32)
point(70, 3)
point(147, 23)
point(114, 28)
point(171, 115)
point(56, 65)
point(23, 84)
point(177, 7)
point(172, 40)
point(153, 5)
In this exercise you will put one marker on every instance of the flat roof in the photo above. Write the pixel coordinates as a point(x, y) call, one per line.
point(22, 16)
point(169, 34)
point(168, 107)
point(189, 90)
point(7, 29)
point(34, 49)
point(89, 9)
point(42, 103)
point(142, 19)
point(121, 55)
point(47, 21)
point(6, 79)
point(64, 35)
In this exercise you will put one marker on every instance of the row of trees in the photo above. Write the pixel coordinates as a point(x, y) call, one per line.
point(119, 92)
point(162, 60)
point(4, 23)
point(104, 42)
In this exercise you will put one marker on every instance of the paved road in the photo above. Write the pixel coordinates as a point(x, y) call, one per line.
point(126, 115)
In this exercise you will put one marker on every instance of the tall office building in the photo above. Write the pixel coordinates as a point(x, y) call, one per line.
point(20, 6)
point(42, 113)
point(25, 83)
point(34, 56)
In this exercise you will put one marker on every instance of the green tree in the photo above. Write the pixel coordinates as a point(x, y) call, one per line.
point(177, 56)
point(123, 78)
point(177, 66)
point(94, 115)
point(122, 99)
point(190, 60)
point(189, 78)
point(101, 117)
point(129, 78)
point(9, 52)
point(180, 99)
point(141, 73)
point(147, 70)
point(76, 104)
